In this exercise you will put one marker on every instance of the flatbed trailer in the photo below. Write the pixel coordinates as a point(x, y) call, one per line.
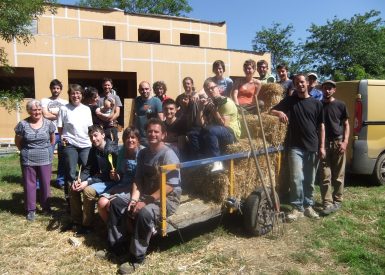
point(194, 210)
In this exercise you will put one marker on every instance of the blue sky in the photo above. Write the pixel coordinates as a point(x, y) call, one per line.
point(245, 17)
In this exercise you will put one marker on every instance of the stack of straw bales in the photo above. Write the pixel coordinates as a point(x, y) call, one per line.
point(215, 187)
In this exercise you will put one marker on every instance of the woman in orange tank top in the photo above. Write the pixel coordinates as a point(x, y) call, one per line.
point(245, 89)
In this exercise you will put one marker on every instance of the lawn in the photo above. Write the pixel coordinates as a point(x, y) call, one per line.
point(351, 241)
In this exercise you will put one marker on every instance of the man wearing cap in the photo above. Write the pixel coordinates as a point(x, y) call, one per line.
point(314, 86)
point(262, 68)
point(336, 140)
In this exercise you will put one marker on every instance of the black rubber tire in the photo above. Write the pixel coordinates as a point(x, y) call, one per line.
point(257, 213)
point(379, 170)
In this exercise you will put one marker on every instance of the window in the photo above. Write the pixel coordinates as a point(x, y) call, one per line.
point(109, 32)
point(21, 80)
point(189, 39)
point(148, 36)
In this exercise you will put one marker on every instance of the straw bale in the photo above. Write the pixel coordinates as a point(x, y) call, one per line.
point(270, 94)
point(206, 185)
point(246, 175)
point(275, 131)
point(215, 186)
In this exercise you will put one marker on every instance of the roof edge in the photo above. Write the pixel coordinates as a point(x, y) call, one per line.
point(181, 18)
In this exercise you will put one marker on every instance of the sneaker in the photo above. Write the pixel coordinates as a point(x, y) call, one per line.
point(294, 215)
point(217, 166)
point(337, 205)
point(310, 213)
point(328, 209)
point(129, 268)
point(31, 215)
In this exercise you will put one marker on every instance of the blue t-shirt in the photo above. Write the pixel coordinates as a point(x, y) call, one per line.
point(145, 109)
point(317, 94)
point(225, 86)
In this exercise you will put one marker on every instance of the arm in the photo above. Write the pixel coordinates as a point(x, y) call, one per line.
point(281, 115)
point(345, 141)
point(48, 115)
point(234, 93)
point(258, 86)
point(149, 199)
point(116, 114)
point(18, 141)
point(86, 173)
point(322, 141)
point(52, 138)
point(135, 195)
point(161, 116)
point(223, 120)
point(102, 116)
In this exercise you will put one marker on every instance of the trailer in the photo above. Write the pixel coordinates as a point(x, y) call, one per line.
point(259, 217)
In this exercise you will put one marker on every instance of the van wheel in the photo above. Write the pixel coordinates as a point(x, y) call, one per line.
point(379, 170)
point(257, 213)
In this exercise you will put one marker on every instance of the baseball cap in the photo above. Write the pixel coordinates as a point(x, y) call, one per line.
point(312, 74)
point(331, 82)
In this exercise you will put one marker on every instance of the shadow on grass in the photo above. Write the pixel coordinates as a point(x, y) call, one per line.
point(359, 181)
point(178, 240)
point(12, 179)
point(15, 205)
point(227, 224)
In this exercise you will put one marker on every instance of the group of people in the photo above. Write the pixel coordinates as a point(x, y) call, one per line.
point(124, 181)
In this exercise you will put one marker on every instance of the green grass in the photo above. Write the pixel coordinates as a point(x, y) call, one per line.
point(355, 236)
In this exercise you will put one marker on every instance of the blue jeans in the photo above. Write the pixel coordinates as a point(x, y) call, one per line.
point(73, 156)
point(216, 137)
point(303, 167)
point(195, 144)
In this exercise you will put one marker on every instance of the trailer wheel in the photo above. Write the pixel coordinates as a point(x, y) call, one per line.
point(379, 170)
point(257, 213)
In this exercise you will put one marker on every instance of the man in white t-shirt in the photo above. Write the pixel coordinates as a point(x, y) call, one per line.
point(51, 106)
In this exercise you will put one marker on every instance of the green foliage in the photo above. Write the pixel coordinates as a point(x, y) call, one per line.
point(15, 18)
point(349, 49)
point(301, 60)
point(165, 7)
point(276, 40)
point(10, 100)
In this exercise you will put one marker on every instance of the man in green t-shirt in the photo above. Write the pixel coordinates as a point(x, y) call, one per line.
point(224, 127)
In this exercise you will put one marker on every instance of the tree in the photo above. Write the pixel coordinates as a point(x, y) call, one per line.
point(276, 40)
point(165, 7)
point(349, 49)
point(15, 18)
